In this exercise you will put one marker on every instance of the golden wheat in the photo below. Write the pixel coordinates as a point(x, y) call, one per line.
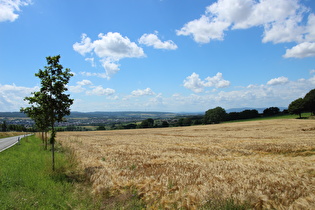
point(268, 164)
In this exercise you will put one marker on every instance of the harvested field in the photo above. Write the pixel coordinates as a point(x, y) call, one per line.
point(267, 164)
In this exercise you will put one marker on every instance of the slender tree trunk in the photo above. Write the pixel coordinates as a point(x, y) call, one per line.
point(46, 140)
point(43, 137)
point(53, 146)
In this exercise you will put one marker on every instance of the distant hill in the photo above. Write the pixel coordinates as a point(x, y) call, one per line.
point(121, 114)
point(12, 114)
point(101, 115)
point(131, 114)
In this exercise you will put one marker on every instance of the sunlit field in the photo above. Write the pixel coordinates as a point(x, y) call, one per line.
point(265, 164)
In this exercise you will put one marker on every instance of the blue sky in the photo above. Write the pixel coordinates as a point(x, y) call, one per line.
point(161, 55)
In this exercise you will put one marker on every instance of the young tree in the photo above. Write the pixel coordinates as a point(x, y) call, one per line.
point(297, 106)
point(51, 104)
point(39, 116)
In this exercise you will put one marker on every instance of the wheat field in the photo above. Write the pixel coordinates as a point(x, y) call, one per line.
point(266, 164)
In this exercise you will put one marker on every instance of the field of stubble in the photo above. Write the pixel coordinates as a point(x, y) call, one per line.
point(267, 164)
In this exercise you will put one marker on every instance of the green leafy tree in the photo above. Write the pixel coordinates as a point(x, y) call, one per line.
point(4, 126)
point(101, 128)
point(39, 115)
point(215, 115)
point(51, 104)
point(297, 106)
point(309, 100)
point(271, 111)
point(148, 123)
point(165, 124)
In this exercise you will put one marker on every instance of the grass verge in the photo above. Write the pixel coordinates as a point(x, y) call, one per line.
point(27, 181)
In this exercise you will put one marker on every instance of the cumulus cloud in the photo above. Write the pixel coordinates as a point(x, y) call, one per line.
point(145, 92)
point(110, 48)
point(9, 9)
point(76, 89)
point(153, 40)
point(84, 82)
point(305, 49)
point(194, 83)
point(85, 46)
point(79, 87)
point(278, 81)
point(99, 90)
point(111, 66)
point(12, 97)
point(282, 21)
point(262, 95)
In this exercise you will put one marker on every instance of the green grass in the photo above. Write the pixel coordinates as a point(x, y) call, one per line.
point(28, 182)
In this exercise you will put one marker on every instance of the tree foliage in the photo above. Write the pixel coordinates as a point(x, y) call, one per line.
point(148, 123)
point(271, 111)
point(297, 106)
point(51, 103)
point(309, 100)
point(215, 115)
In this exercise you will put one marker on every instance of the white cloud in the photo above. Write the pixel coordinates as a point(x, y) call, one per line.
point(284, 31)
point(251, 96)
point(310, 30)
point(91, 74)
point(91, 60)
point(278, 81)
point(78, 88)
point(115, 46)
point(312, 71)
point(305, 49)
point(85, 46)
point(12, 97)
point(204, 29)
point(111, 66)
point(84, 82)
point(194, 83)
point(282, 20)
point(145, 92)
point(110, 48)
point(99, 90)
point(153, 40)
point(217, 81)
point(9, 8)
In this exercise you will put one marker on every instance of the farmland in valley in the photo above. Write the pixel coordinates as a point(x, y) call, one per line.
point(267, 164)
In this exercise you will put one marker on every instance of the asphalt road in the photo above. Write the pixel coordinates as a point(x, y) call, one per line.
point(10, 141)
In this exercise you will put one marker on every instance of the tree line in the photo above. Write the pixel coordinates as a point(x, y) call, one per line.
point(215, 115)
